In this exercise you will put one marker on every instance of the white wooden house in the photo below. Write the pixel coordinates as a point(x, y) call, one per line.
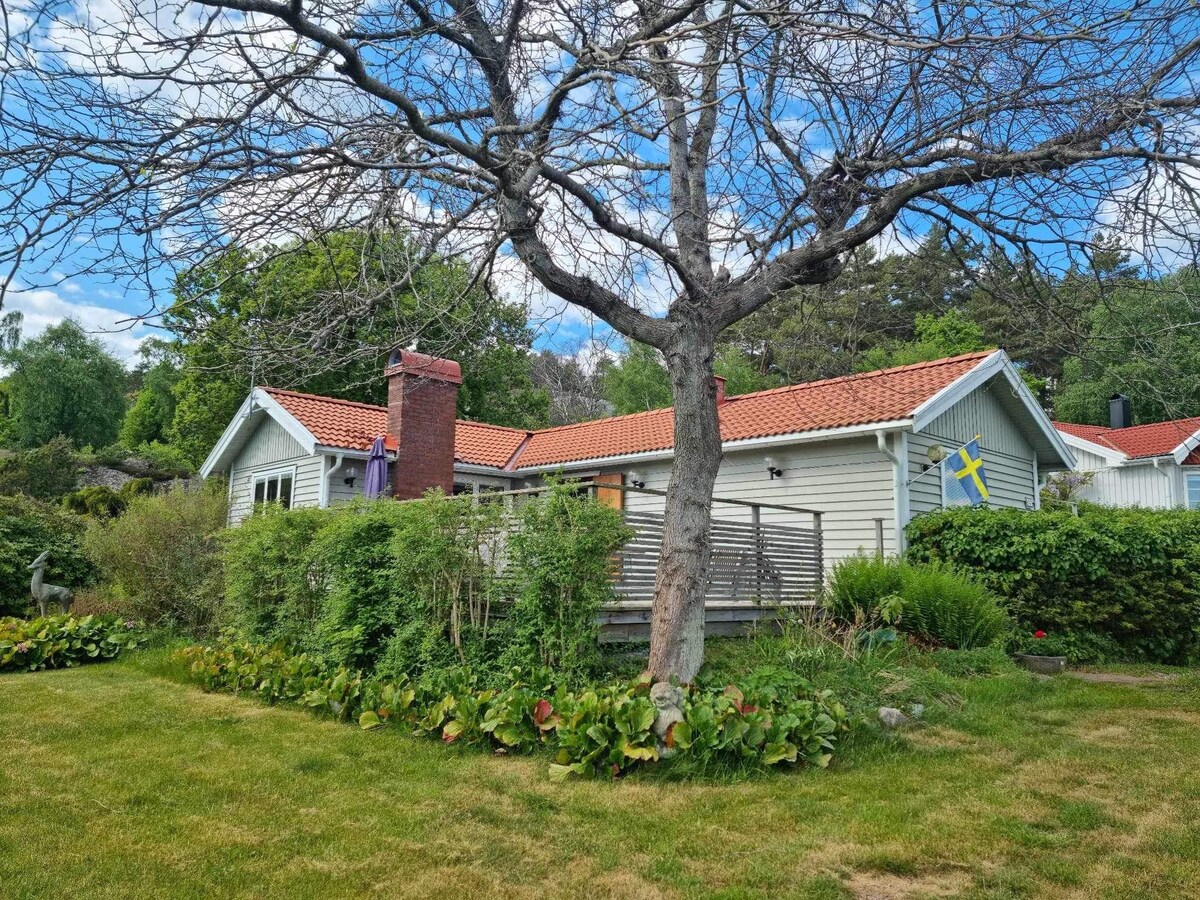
point(1156, 466)
point(858, 448)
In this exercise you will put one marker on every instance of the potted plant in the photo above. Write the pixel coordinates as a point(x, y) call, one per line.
point(1041, 653)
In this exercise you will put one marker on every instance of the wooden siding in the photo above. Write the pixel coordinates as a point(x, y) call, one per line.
point(848, 480)
point(1007, 454)
point(1130, 485)
point(271, 447)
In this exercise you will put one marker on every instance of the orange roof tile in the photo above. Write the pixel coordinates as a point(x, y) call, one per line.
point(486, 445)
point(882, 396)
point(333, 422)
point(1139, 441)
point(354, 426)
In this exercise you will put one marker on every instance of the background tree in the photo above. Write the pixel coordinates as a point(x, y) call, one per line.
point(64, 383)
point(235, 319)
point(1142, 340)
point(668, 167)
point(152, 405)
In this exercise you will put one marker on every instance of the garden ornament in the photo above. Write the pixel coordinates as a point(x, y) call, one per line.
point(668, 701)
point(43, 593)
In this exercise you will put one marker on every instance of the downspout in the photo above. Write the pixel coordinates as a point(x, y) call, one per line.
point(337, 464)
point(898, 459)
point(1169, 474)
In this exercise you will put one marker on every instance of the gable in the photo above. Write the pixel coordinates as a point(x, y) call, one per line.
point(268, 443)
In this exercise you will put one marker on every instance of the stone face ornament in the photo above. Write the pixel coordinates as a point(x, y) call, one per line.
point(668, 700)
point(43, 593)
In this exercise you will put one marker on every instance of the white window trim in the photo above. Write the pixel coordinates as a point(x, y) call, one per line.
point(1187, 477)
point(266, 475)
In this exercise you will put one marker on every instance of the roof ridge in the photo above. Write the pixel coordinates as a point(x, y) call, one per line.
point(491, 425)
point(862, 376)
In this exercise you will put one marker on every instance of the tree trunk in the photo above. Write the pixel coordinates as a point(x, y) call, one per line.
point(677, 620)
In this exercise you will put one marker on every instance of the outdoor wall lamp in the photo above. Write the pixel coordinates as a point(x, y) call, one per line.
point(773, 468)
point(350, 476)
point(635, 480)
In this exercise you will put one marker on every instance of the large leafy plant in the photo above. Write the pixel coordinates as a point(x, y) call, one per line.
point(57, 642)
point(776, 717)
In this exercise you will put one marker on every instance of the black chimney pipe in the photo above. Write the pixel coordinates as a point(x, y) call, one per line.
point(1120, 412)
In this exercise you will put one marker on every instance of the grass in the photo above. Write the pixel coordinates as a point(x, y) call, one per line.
point(118, 782)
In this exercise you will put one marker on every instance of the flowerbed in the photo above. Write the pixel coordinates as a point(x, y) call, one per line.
point(57, 642)
point(772, 717)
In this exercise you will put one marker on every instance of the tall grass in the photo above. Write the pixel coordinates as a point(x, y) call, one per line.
point(934, 602)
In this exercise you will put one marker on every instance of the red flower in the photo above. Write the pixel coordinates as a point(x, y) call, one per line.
point(1039, 634)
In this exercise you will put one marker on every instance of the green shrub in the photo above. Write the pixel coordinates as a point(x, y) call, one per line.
point(96, 500)
point(950, 608)
point(1123, 578)
point(163, 556)
point(419, 586)
point(561, 561)
point(27, 528)
point(409, 585)
point(63, 641)
point(272, 591)
point(930, 601)
point(44, 473)
point(774, 717)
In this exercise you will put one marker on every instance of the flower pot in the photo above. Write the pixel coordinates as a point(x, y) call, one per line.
point(1043, 665)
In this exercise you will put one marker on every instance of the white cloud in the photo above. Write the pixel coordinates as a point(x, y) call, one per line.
point(42, 308)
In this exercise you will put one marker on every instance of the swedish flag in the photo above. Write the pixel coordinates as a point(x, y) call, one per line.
point(965, 466)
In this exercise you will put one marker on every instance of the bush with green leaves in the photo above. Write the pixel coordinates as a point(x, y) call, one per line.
point(427, 584)
point(561, 561)
point(774, 717)
point(56, 642)
point(931, 601)
point(1108, 580)
point(47, 472)
point(28, 528)
point(273, 588)
point(163, 556)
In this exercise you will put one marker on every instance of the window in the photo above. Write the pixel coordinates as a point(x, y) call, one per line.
point(1193, 491)
point(274, 487)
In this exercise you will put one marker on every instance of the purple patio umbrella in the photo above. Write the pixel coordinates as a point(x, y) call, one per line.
point(376, 477)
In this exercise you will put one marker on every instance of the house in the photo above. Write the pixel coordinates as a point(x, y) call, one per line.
point(1156, 466)
point(860, 449)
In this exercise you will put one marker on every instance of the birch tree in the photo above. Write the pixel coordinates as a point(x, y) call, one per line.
point(665, 166)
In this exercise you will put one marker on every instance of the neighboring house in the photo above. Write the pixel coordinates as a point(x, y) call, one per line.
point(855, 448)
point(1156, 466)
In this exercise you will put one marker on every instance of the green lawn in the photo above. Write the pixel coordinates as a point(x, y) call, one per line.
point(118, 783)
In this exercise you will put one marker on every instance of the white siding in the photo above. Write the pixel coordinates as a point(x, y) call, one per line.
point(1130, 485)
point(271, 447)
point(1008, 456)
point(848, 480)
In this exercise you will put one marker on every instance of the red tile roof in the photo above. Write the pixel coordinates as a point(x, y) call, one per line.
point(1139, 441)
point(882, 396)
point(333, 422)
point(354, 426)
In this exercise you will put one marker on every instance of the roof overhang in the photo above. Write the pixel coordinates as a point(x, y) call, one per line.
point(249, 415)
point(1181, 452)
point(1116, 457)
point(1055, 453)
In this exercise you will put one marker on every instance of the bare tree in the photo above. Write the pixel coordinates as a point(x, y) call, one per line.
point(669, 167)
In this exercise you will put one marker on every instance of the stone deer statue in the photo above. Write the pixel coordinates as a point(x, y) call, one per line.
point(43, 593)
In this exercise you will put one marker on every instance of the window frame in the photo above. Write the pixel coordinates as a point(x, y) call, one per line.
point(266, 476)
point(1188, 478)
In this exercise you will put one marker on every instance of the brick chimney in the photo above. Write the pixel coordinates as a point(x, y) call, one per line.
point(719, 384)
point(422, 398)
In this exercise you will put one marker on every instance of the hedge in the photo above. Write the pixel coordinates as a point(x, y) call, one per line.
point(1110, 582)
